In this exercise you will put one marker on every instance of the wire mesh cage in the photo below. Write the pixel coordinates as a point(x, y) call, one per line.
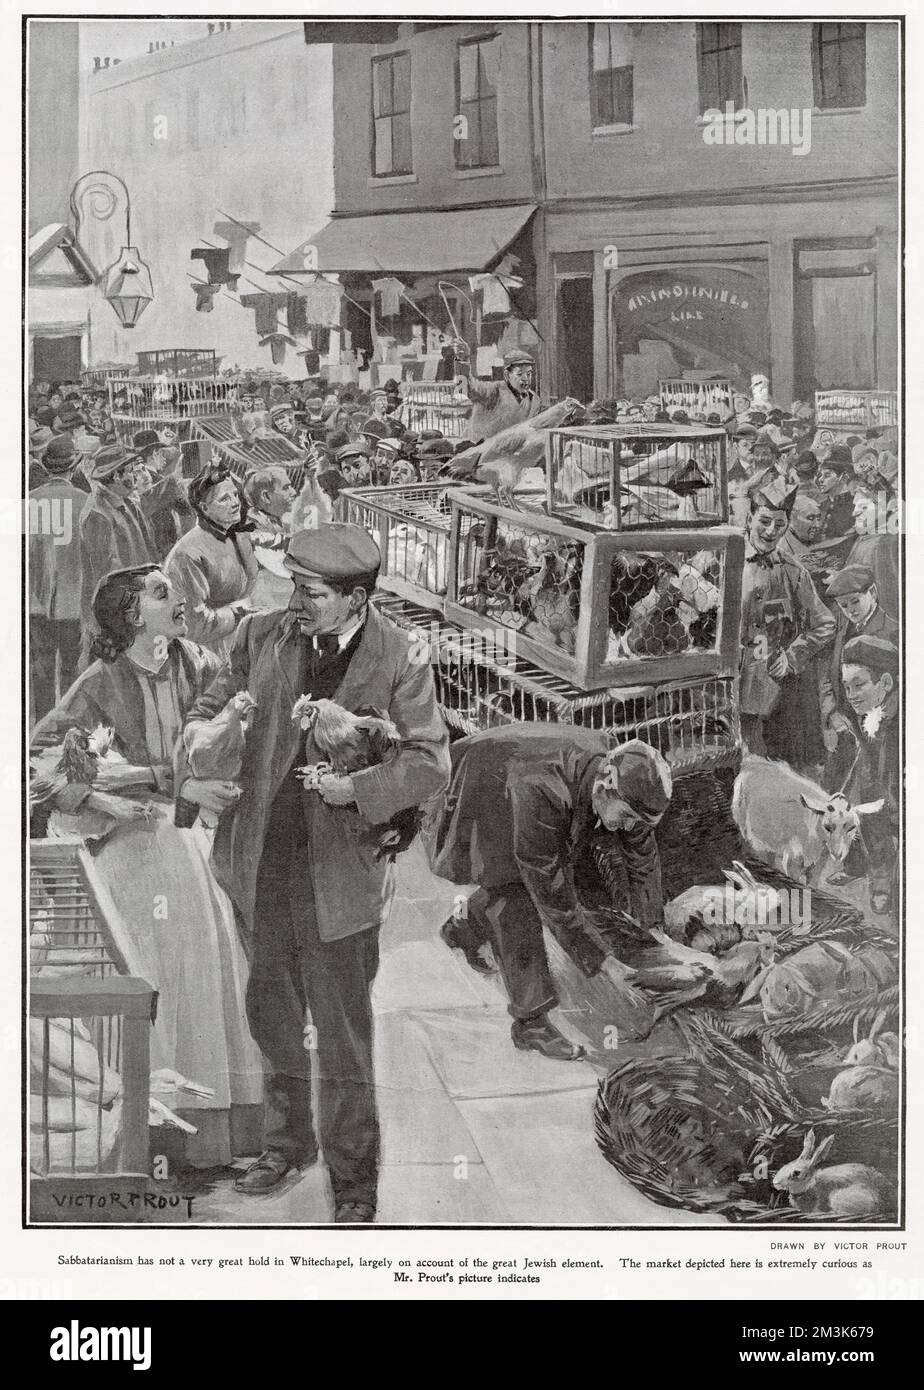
point(699, 399)
point(435, 405)
point(597, 608)
point(179, 362)
point(637, 475)
point(862, 409)
point(482, 682)
point(411, 528)
point(141, 399)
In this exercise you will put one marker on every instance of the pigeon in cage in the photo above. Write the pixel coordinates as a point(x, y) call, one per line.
point(502, 583)
point(687, 482)
point(555, 597)
point(502, 459)
point(350, 743)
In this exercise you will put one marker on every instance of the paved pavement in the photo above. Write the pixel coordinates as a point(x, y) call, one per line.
point(473, 1131)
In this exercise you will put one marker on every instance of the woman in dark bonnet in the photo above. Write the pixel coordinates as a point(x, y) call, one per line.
point(172, 924)
point(213, 566)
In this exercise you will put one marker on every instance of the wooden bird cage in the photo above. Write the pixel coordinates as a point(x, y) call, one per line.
point(638, 476)
point(179, 362)
point(410, 525)
point(435, 405)
point(244, 455)
point(597, 608)
point(89, 1048)
point(699, 399)
point(846, 411)
point(483, 683)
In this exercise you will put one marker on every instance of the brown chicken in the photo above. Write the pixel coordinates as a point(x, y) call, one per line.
point(349, 743)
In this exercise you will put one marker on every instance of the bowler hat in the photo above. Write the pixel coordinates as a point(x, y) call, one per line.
point(60, 453)
point(335, 550)
point(875, 653)
point(146, 439)
point(852, 579)
point(838, 458)
point(375, 429)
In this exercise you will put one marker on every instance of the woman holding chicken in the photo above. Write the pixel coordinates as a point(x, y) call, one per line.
point(172, 924)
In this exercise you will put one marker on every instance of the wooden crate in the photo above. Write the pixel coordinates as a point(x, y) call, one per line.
point(629, 476)
point(598, 608)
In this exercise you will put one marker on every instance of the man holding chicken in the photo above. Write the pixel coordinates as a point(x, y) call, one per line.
point(300, 865)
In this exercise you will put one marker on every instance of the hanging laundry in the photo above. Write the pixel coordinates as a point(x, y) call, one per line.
point(205, 294)
point(495, 288)
point(237, 235)
point(322, 303)
point(296, 314)
point(266, 310)
point(278, 342)
point(390, 291)
point(216, 264)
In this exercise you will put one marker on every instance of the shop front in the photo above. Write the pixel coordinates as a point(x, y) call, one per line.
point(414, 281)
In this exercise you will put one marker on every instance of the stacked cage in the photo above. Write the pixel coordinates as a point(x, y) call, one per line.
point(483, 682)
point(596, 607)
point(89, 1024)
point(699, 399)
point(621, 477)
point(435, 405)
point(179, 362)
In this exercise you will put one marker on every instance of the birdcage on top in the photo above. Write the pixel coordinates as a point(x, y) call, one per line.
point(599, 608)
point(638, 476)
point(435, 405)
point(844, 411)
point(179, 362)
point(89, 1047)
point(700, 399)
point(140, 401)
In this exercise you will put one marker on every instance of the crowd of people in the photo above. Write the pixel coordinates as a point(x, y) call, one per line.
point(180, 589)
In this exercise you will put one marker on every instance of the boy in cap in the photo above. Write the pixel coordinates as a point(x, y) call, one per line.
point(165, 505)
point(783, 625)
point(114, 534)
point(854, 594)
point(870, 673)
point(519, 818)
point(875, 524)
point(499, 404)
point(310, 893)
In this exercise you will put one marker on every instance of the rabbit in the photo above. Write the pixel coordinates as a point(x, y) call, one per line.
point(878, 1050)
point(869, 1080)
point(845, 1189)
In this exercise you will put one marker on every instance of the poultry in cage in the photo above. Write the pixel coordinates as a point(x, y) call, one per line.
point(350, 743)
point(502, 459)
point(502, 584)
point(554, 596)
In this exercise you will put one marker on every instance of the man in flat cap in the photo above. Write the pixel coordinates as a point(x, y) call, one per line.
point(870, 676)
point(114, 534)
point(853, 594)
point(521, 812)
point(300, 865)
point(499, 404)
point(784, 625)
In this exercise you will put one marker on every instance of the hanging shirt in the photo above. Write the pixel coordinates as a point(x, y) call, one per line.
point(390, 291)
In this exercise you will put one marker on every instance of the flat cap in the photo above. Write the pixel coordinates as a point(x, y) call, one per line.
point(875, 653)
point(336, 550)
point(281, 408)
point(852, 579)
point(357, 448)
point(640, 776)
point(517, 358)
point(146, 439)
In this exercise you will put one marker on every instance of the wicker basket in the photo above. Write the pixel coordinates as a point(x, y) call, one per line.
point(705, 1130)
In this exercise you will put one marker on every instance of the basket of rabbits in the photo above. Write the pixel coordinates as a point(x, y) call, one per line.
point(719, 1131)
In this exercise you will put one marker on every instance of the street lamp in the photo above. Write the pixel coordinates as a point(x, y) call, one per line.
point(126, 284)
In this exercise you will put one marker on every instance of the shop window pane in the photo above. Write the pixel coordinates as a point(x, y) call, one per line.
point(844, 356)
point(476, 78)
point(383, 163)
point(468, 71)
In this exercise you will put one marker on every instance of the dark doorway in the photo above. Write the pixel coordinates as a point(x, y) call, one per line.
point(56, 359)
point(575, 337)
